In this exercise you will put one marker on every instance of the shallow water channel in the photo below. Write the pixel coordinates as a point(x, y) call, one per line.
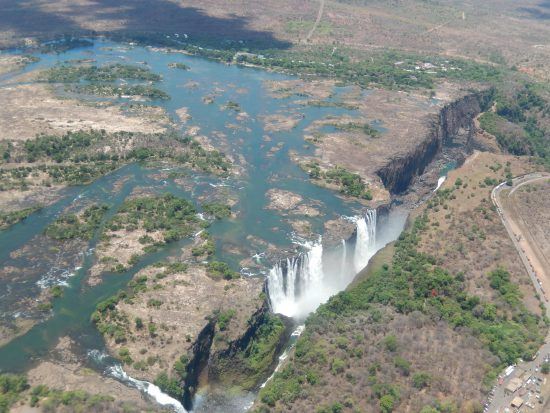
point(263, 168)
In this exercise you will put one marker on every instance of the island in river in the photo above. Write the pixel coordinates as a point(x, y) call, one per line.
point(178, 220)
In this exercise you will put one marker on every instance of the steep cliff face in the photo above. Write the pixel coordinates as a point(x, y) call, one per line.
point(199, 359)
point(228, 356)
point(249, 360)
point(453, 128)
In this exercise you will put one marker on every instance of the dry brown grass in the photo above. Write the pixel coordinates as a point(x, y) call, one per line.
point(466, 234)
point(35, 109)
point(491, 31)
point(186, 300)
point(455, 361)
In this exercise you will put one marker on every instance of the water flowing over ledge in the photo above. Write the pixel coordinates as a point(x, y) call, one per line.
point(148, 388)
point(298, 285)
point(116, 371)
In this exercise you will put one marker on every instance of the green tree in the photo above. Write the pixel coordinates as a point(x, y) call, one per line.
point(421, 380)
point(390, 342)
point(387, 403)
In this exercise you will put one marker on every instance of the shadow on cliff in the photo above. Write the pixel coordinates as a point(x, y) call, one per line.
point(43, 20)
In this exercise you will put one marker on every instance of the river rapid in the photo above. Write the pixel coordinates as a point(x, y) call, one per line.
point(297, 285)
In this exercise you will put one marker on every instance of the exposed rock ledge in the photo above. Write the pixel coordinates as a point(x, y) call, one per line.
point(452, 127)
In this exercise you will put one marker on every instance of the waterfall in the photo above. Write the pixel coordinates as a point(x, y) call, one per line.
point(115, 370)
point(366, 237)
point(440, 182)
point(297, 285)
point(290, 280)
point(343, 266)
point(152, 390)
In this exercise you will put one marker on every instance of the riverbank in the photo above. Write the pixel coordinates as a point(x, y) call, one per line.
point(375, 321)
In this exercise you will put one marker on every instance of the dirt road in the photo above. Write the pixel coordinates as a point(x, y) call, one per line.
point(319, 17)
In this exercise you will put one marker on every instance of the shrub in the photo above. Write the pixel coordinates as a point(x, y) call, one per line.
point(390, 342)
point(217, 269)
point(403, 365)
point(338, 365)
point(421, 380)
point(387, 403)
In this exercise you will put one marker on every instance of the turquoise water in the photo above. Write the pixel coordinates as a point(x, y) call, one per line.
point(262, 170)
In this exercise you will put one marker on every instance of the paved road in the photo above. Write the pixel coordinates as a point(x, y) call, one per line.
point(500, 401)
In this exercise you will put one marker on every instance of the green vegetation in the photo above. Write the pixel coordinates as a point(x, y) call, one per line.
point(80, 157)
point(145, 91)
point(57, 174)
point(206, 248)
point(414, 282)
point(518, 121)
point(230, 105)
point(7, 219)
point(351, 184)
point(328, 103)
point(124, 355)
point(173, 385)
point(109, 73)
point(403, 365)
point(208, 161)
point(421, 380)
point(77, 400)
point(224, 318)
point(218, 270)
point(168, 385)
point(107, 319)
point(11, 388)
point(62, 45)
point(511, 139)
point(63, 148)
point(390, 343)
point(388, 69)
point(500, 281)
point(56, 291)
point(71, 226)
point(357, 127)
point(217, 210)
point(178, 65)
point(104, 80)
point(175, 217)
point(251, 363)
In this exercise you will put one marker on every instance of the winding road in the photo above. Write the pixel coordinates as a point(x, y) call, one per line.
point(540, 277)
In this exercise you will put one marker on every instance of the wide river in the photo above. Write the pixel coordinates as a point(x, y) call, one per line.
point(265, 163)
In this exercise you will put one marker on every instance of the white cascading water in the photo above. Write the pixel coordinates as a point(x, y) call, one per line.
point(101, 359)
point(366, 237)
point(440, 182)
point(344, 265)
point(152, 390)
point(299, 284)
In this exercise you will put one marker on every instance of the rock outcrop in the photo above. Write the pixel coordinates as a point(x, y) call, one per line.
point(452, 129)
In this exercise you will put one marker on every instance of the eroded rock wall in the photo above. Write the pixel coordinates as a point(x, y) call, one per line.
point(453, 127)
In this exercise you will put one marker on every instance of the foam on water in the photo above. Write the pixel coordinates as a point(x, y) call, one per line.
point(440, 182)
point(150, 389)
point(298, 285)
